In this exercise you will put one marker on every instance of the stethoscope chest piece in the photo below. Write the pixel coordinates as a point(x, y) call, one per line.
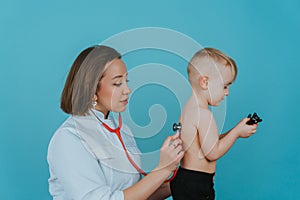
point(177, 127)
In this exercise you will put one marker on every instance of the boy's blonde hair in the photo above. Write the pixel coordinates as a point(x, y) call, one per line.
point(209, 55)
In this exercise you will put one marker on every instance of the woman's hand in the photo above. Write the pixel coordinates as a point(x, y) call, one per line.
point(171, 153)
point(244, 130)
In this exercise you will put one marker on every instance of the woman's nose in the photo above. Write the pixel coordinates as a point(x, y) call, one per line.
point(226, 92)
point(126, 90)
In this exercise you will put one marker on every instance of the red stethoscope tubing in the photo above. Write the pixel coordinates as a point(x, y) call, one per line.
point(117, 131)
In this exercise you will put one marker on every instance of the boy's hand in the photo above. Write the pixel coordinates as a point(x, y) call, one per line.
point(243, 130)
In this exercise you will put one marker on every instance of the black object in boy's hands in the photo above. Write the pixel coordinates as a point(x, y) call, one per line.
point(254, 119)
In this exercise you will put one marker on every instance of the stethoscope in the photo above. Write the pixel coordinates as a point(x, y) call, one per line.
point(117, 131)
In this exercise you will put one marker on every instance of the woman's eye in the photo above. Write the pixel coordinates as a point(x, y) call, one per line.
point(225, 87)
point(127, 81)
point(117, 84)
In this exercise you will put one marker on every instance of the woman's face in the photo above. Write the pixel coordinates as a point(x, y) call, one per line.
point(113, 92)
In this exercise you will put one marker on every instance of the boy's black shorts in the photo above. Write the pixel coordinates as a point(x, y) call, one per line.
point(192, 185)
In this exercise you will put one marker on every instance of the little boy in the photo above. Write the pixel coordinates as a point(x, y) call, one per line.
point(210, 73)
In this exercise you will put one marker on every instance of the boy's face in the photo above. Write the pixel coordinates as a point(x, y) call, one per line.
point(218, 84)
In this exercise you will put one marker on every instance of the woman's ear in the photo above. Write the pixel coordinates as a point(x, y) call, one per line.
point(95, 97)
point(203, 82)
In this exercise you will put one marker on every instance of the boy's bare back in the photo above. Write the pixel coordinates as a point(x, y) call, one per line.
point(199, 135)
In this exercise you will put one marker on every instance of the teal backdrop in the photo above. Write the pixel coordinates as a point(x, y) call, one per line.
point(40, 39)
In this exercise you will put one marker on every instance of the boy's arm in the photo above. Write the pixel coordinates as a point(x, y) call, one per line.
point(215, 146)
point(223, 134)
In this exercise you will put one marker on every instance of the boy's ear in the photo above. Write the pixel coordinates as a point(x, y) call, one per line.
point(203, 82)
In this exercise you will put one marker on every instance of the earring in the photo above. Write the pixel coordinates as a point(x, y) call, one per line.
point(94, 103)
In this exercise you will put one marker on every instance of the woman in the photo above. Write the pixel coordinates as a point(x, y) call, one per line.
point(89, 160)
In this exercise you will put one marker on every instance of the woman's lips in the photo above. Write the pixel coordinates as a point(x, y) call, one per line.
point(125, 101)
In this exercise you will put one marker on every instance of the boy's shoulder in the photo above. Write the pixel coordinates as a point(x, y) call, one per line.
point(196, 110)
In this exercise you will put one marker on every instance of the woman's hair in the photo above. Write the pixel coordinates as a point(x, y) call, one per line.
point(83, 79)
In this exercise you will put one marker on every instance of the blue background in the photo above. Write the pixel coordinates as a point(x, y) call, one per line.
point(40, 39)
